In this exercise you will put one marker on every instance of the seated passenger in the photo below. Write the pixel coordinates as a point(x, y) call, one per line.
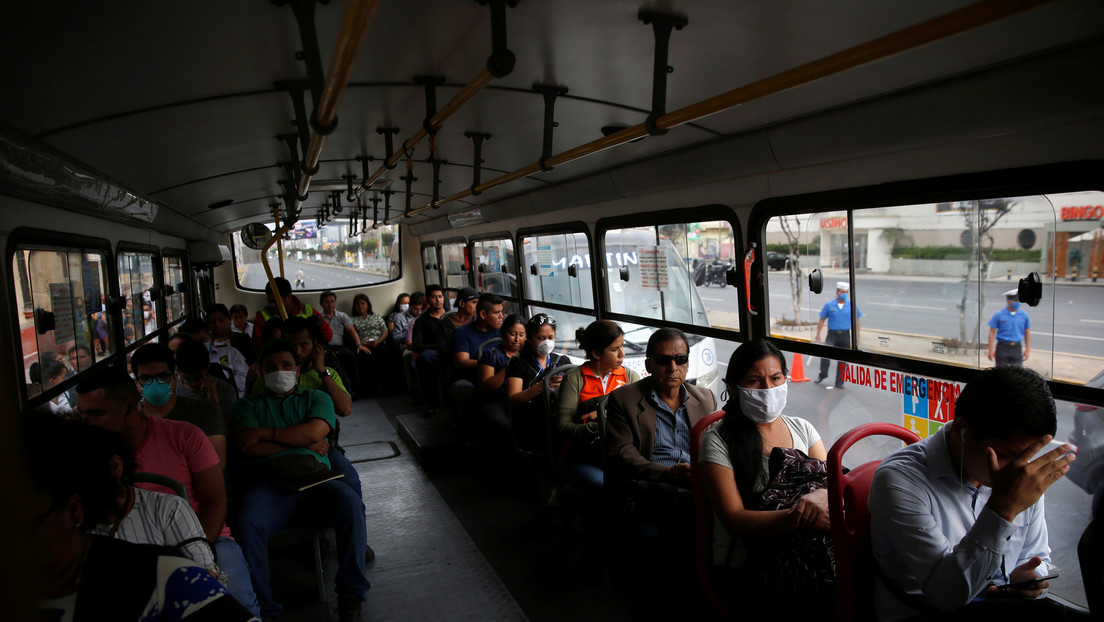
point(196, 382)
point(239, 320)
point(343, 344)
point(466, 301)
point(286, 422)
point(226, 355)
point(465, 348)
point(79, 576)
point(222, 335)
point(525, 380)
point(781, 541)
point(961, 512)
point(582, 388)
point(417, 305)
point(292, 306)
point(154, 368)
point(492, 374)
point(368, 333)
point(398, 319)
point(110, 400)
point(430, 341)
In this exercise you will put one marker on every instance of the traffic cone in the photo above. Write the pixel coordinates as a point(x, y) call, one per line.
point(797, 371)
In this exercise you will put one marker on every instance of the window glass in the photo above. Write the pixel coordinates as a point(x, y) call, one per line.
point(430, 270)
point(326, 257)
point(494, 260)
point(135, 280)
point(174, 278)
point(62, 325)
point(557, 269)
point(454, 257)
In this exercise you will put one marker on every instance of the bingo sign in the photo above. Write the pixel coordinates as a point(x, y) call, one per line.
point(927, 404)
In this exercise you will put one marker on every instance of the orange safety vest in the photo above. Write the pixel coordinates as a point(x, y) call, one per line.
point(592, 384)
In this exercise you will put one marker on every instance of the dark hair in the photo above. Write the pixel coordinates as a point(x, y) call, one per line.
point(192, 357)
point(598, 336)
point(154, 353)
point(114, 380)
point(218, 307)
point(364, 297)
point(433, 288)
point(294, 325)
point(282, 285)
point(1007, 399)
point(509, 323)
point(532, 325)
point(417, 298)
point(86, 349)
point(239, 308)
point(193, 325)
point(324, 294)
point(46, 370)
point(181, 337)
point(664, 335)
point(274, 346)
point(398, 300)
point(740, 434)
point(68, 458)
point(487, 302)
point(269, 328)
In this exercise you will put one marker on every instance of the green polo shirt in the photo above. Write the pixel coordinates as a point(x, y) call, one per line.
point(270, 411)
point(309, 381)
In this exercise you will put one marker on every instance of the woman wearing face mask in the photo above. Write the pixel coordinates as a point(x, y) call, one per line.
point(743, 459)
point(525, 373)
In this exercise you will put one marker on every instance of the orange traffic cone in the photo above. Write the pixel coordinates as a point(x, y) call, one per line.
point(797, 372)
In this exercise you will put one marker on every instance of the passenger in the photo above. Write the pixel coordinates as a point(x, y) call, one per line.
point(292, 306)
point(398, 319)
point(368, 331)
point(196, 382)
point(47, 375)
point(79, 576)
point(582, 389)
point(154, 368)
point(430, 340)
point(343, 344)
point(286, 421)
point(465, 348)
point(110, 400)
point(226, 355)
point(649, 421)
point(417, 305)
point(239, 320)
point(492, 373)
point(961, 512)
point(525, 380)
point(785, 550)
point(1010, 332)
point(222, 337)
point(466, 301)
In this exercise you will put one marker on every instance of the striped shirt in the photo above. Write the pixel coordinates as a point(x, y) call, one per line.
point(672, 439)
point(166, 520)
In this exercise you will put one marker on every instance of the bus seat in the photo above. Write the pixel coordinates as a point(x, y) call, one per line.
point(486, 344)
point(162, 480)
point(850, 519)
point(548, 405)
point(703, 523)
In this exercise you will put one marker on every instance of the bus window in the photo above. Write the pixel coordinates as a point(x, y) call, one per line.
point(61, 295)
point(430, 268)
point(557, 269)
point(322, 257)
point(135, 280)
point(495, 267)
point(173, 268)
point(457, 267)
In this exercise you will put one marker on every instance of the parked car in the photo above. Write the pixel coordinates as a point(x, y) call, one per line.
point(777, 261)
point(1088, 436)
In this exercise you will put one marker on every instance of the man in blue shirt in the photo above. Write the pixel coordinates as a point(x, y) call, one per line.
point(838, 314)
point(465, 347)
point(1011, 329)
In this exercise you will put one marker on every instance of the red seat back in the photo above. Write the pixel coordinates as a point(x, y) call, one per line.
point(851, 521)
point(703, 532)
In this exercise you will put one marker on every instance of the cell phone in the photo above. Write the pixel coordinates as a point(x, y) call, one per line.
point(1019, 585)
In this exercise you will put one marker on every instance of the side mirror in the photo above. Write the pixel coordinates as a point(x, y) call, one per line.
point(624, 273)
point(44, 321)
point(816, 281)
point(1031, 290)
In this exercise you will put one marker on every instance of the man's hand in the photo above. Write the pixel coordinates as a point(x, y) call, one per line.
point(250, 436)
point(1023, 572)
point(992, 354)
point(811, 511)
point(555, 381)
point(1022, 481)
point(590, 416)
point(678, 474)
point(321, 448)
point(318, 357)
point(1027, 352)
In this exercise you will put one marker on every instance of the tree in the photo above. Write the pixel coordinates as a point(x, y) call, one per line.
point(387, 238)
point(896, 237)
point(985, 214)
point(793, 239)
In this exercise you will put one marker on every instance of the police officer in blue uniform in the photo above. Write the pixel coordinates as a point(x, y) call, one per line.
point(838, 314)
point(1011, 329)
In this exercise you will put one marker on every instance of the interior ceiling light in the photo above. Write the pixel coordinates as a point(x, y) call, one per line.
point(222, 203)
point(613, 129)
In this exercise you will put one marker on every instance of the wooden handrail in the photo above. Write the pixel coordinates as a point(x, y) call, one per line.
point(947, 25)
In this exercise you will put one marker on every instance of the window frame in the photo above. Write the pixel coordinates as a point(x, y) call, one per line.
point(566, 228)
point(502, 235)
point(441, 265)
point(186, 308)
point(158, 276)
point(1077, 176)
point(436, 266)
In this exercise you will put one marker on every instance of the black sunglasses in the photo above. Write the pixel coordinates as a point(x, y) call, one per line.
point(542, 319)
point(663, 360)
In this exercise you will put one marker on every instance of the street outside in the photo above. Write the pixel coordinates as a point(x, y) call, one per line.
point(316, 276)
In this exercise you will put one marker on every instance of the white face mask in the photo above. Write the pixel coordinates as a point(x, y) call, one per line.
point(763, 405)
point(280, 381)
point(403, 308)
point(546, 347)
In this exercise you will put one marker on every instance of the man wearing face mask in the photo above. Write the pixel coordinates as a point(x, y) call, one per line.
point(1011, 329)
point(837, 312)
point(957, 521)
point(286, 420)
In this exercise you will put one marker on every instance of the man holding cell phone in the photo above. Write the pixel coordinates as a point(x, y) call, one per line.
point(957, 520)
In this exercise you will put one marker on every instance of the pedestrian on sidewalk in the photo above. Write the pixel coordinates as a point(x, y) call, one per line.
point(1011, 330)
point(838, 314)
